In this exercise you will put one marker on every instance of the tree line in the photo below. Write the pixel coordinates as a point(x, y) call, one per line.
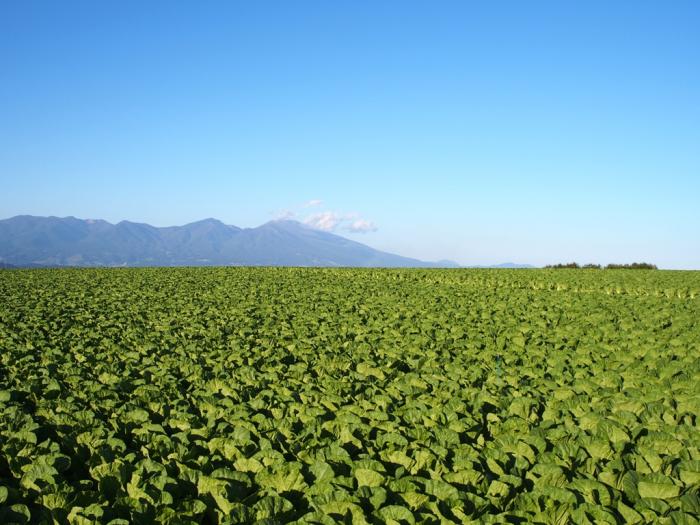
point(632, 266)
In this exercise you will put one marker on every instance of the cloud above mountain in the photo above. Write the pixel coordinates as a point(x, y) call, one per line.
point(330, 221)
point(361, 226)
point(327, 221)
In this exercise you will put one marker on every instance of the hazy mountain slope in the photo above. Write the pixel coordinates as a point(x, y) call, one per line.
point(292, 243)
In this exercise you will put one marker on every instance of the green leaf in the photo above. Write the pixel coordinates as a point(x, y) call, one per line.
point(658, 490)
point(441, 489)
point(629, 514)
point(271, 507)
point(414, 500)
point(343, 509)
point(137, 415)
point(396, 513)
point(248, 465)
point(557, 515)
point(283, 480)
point(17, 513)
point(322, 471)
point(689, 477)
point(498, 489)
point(368, 478)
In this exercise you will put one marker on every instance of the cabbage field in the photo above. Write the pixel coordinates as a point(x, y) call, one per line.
point(278, 395)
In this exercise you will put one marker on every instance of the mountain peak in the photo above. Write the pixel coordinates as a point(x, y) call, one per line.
point(208, 220)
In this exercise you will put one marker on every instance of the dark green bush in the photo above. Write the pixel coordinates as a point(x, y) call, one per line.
point(591, 266)
point(633, 266)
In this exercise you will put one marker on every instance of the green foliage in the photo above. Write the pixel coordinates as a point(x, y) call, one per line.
point(633, 266)
point(559, 266)
point(590, 266)
point(244, 395)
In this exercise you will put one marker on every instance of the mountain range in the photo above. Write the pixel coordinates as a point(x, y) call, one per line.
point(29, 241)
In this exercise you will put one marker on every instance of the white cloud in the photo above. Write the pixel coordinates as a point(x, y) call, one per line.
point(330, 221)
point(361, 226)
point(327, 221)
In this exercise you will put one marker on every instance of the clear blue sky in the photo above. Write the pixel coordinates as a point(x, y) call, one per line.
point(481, 132)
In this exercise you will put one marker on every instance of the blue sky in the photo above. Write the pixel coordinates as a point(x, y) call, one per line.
point(481, 132)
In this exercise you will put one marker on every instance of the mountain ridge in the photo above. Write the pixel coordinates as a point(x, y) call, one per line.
point(27, 240)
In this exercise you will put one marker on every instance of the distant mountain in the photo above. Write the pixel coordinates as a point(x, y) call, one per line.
point(512, 265)
point(53, 241)
point(507, 265)
point(446, 263)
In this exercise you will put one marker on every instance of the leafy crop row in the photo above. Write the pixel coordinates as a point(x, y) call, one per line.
point(240, 395)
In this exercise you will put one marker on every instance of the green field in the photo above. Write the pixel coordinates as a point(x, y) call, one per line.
point(241, 395)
